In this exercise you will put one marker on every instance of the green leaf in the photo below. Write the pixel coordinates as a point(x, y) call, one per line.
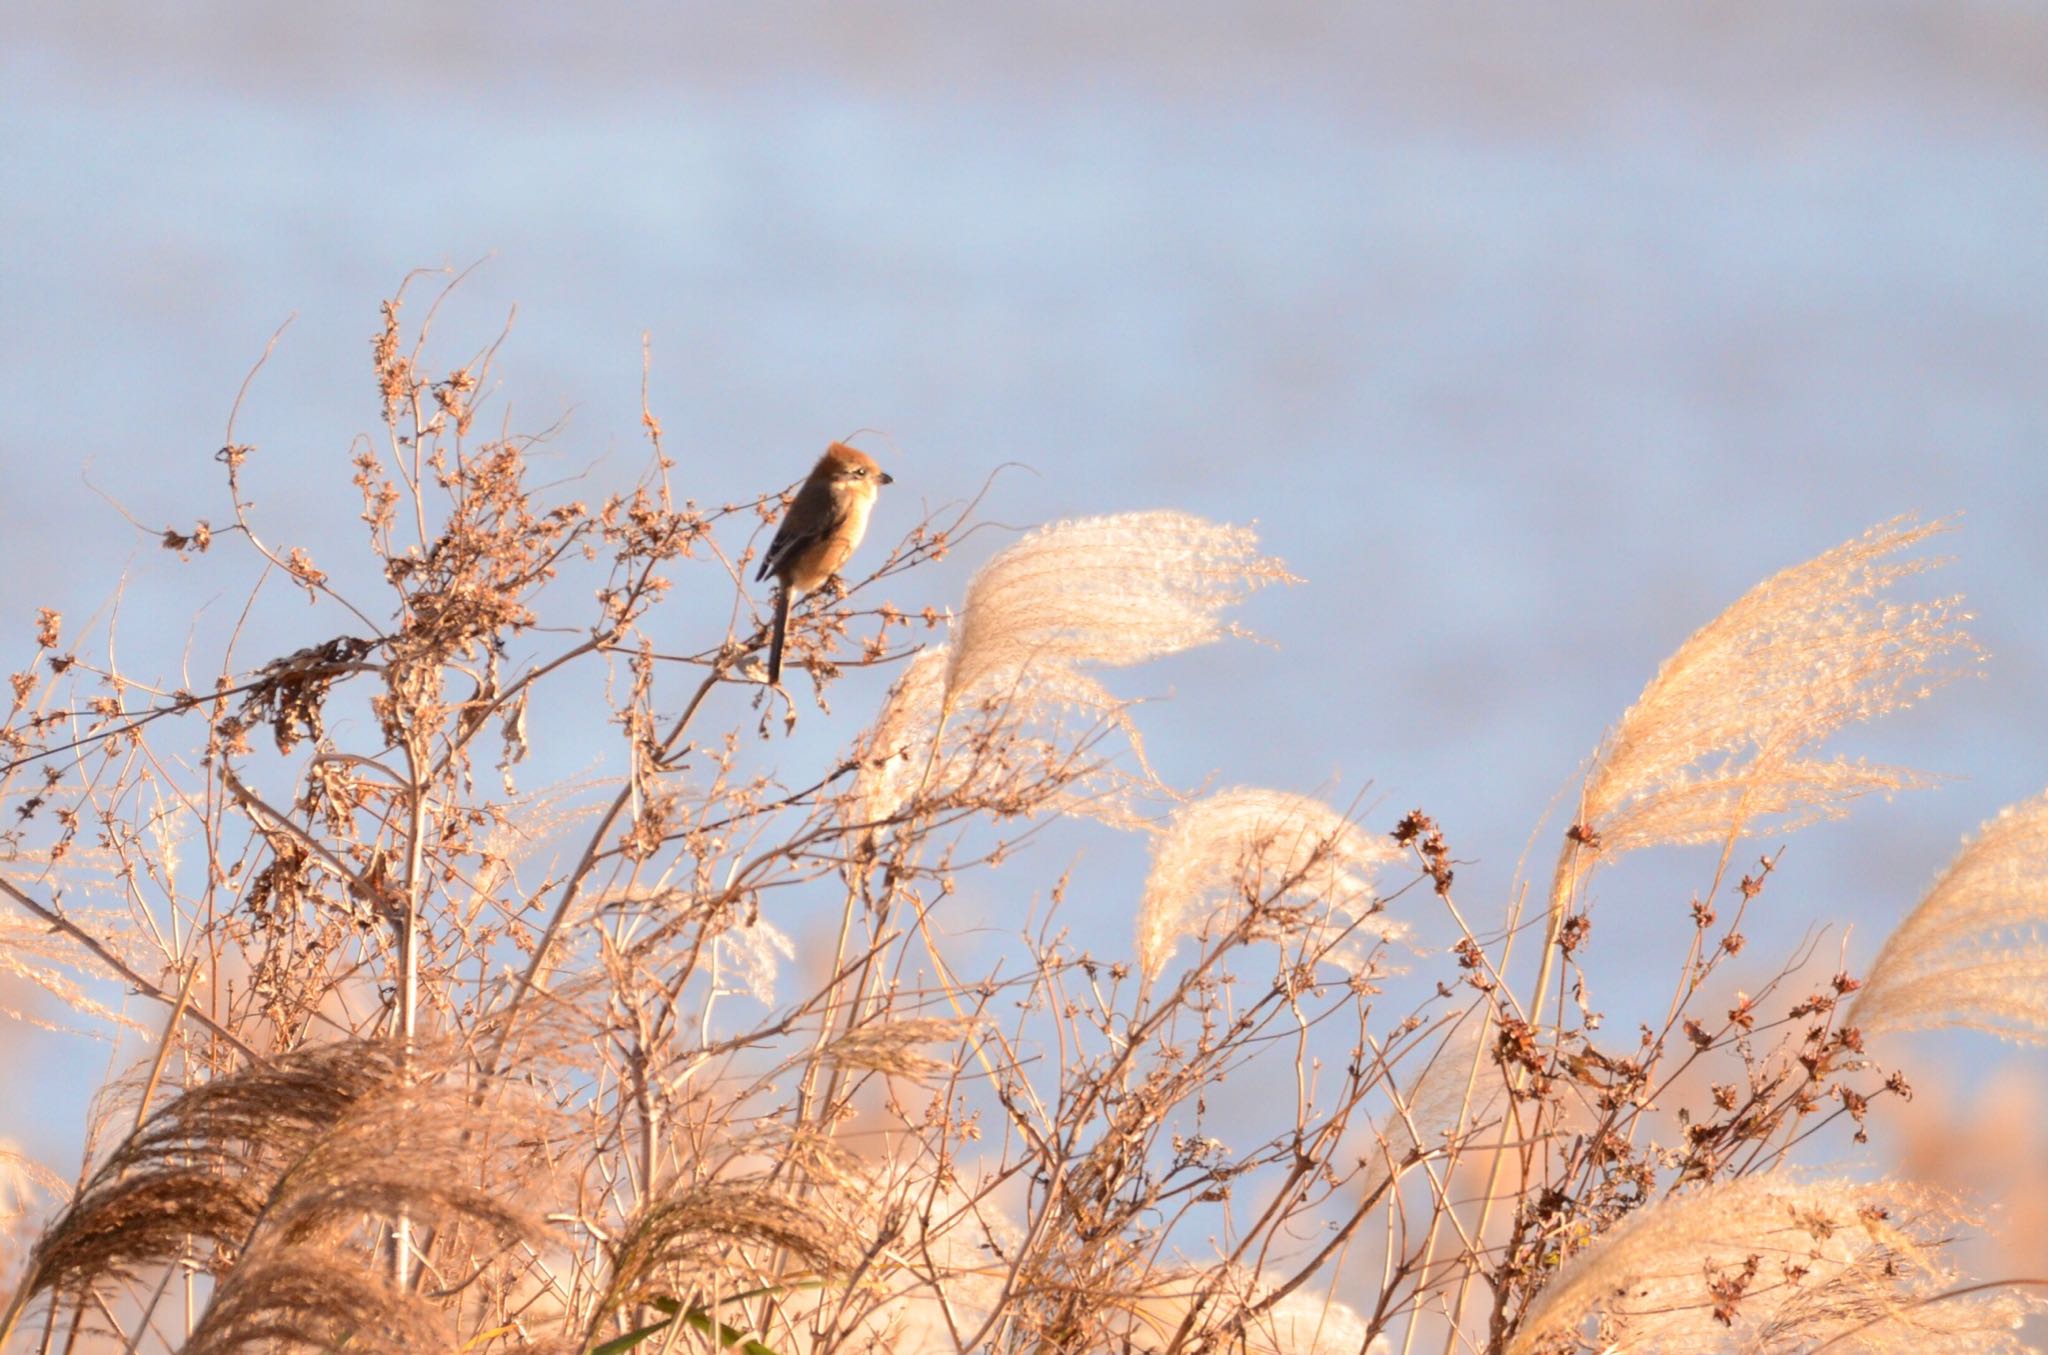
point(618, 1345)
point(695, 1317)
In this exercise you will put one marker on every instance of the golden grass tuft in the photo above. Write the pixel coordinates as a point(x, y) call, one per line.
point(314, 1299)
point(205, 1165)
point(696, 1230)
point(287, 1158)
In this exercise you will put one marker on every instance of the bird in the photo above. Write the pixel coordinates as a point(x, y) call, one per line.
point(821, 530)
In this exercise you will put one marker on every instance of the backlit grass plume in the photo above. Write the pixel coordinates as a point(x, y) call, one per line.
point(696, 1228)
point(1109, 590)
point(1723, 740)
point(204, 1165)
point(1763, 1263)
point(313, 1299)
point(1974, 952)
point(31, 949)
point(1275, 862)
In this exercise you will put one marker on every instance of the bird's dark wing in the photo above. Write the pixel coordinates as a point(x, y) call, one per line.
point(812, 516)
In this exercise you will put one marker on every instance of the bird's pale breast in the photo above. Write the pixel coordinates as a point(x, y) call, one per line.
point(822, 564)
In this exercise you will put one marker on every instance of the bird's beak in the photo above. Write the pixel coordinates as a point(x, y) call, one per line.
point(888, 479)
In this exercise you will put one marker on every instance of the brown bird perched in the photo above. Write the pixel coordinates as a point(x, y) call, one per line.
point(819, 532)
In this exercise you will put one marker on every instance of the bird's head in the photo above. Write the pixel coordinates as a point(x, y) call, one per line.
point(848, 467)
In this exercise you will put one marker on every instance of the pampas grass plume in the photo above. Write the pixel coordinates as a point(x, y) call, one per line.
point(1111, 591)
point(1721, 741)
point(1974, 952)
point(1247, 841)
point(1108, 590)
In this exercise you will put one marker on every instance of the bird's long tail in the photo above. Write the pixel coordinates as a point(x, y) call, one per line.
point(775, 635)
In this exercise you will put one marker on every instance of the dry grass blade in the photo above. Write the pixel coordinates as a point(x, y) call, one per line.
point(1767, 1264)
point(1298, 865)
point(1975, 951)
point(1721, 740)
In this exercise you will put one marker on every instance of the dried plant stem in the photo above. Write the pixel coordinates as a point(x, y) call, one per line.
point(1552, 923)
point(163, 1048)
point(409, 977)
point(572, 888)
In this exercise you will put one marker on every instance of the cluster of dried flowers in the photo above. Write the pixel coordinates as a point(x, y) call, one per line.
point(706, 1050)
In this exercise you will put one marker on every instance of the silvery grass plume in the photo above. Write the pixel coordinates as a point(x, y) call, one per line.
point(1722, 741)
point(31, 949)
point(684, 1240)
point(1973, 953)
point(1766, 1264)
point(1109, 591)
point(1282, 864)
